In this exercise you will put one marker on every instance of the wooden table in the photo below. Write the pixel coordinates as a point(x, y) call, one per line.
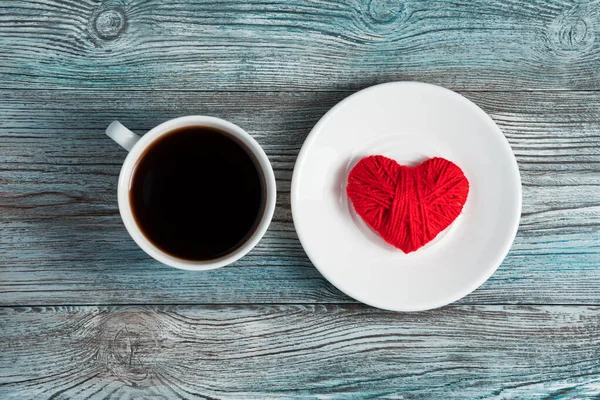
point(85, 314)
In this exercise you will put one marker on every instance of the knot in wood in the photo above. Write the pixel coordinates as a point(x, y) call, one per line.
point(110, 23)
point(572, 32)
point(385, 10)
point(132, 347)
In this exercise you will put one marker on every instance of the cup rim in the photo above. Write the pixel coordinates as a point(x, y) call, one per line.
point(139, 149)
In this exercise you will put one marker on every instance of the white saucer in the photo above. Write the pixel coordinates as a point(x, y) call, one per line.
point(409, 122)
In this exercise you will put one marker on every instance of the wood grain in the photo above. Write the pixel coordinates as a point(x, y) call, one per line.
point(275, 67)
point(326, 352)
point(62, 241)
point(306, 44)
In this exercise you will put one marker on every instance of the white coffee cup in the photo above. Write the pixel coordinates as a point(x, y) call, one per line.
point(137, 145)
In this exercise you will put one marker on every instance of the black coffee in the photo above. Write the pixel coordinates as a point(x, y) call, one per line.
point(197, 193)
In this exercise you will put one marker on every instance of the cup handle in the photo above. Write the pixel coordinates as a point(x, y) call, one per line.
point(123, 136)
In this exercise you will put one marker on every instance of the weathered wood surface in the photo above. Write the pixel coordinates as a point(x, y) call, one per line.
point(306, 44)
point(62, 240)
point(295, 351)
point(531, 332)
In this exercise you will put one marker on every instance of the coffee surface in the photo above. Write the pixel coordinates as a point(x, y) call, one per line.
point(197, 193)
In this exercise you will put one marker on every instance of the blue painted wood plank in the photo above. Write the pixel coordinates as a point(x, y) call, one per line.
point(62, 241)
point(305, 44)
point(296, 351)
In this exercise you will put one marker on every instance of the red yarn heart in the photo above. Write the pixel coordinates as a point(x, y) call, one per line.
point(407, 206)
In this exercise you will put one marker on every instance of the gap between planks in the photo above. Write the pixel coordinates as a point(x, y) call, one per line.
point(341, 304)
point(350, 90)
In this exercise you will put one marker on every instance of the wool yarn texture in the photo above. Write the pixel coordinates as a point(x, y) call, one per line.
point(407, 206)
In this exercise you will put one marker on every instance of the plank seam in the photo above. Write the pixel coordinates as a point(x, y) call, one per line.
point(460, 90)
point(291, 304)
